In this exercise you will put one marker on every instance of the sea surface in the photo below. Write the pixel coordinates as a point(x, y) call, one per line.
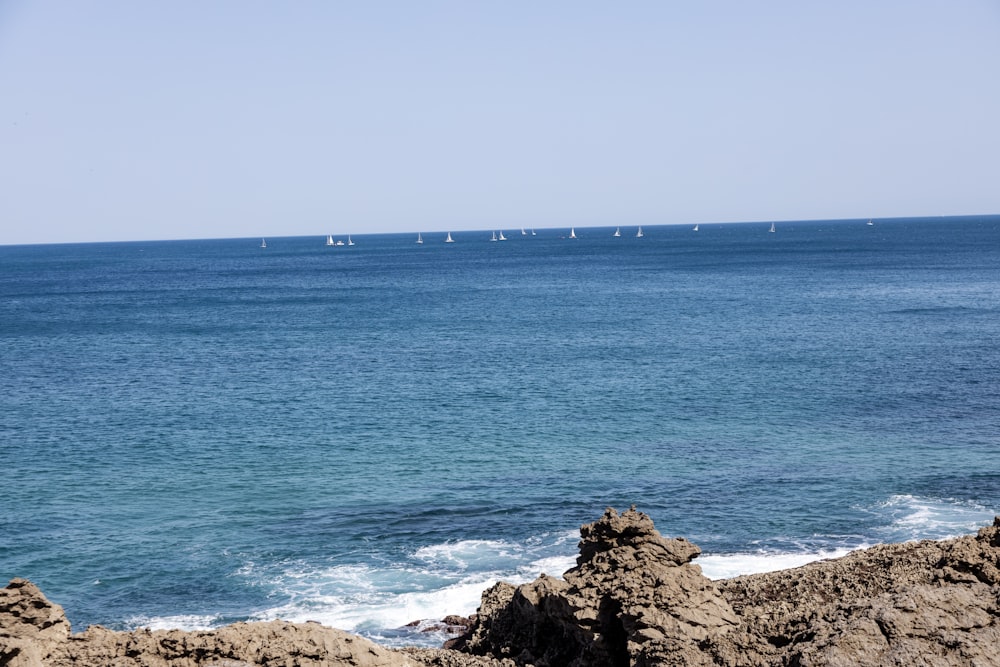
point(198, 432)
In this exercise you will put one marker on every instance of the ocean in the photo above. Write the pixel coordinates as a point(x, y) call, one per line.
point(198, 432)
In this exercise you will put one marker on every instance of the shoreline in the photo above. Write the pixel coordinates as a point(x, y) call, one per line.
point(634, 598)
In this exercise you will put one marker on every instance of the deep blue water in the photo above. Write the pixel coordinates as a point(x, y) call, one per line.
point(196, 432)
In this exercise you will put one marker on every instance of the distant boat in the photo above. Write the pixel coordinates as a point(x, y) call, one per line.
point(420, 239)
point(638, 234)
point(870, 223)
point(532, 232)
point(523, 233)
point(772, 228)
point(339, 243)
point(349, 241)
point(502, 237)
point(263, 243)
point(618, 232)
point(329, 239)
point(494, 237)
point(449, 239)
point(695, 228)
point(572, 232)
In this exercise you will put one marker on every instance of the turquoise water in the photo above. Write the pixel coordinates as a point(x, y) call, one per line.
point(197, 432)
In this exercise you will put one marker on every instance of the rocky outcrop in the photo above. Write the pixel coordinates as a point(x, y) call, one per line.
point(35, 633)
point(633, 598)
point(29, 624)
point(917, 603)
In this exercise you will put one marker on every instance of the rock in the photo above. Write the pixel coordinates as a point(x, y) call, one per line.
point(30, 625)
point(917, 603)
point(34, 632)
point(26, 613)
point(633, 598)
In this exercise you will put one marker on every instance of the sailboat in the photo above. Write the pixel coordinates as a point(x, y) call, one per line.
point(618, 232)
point(449, 239)
point(523, 233)
point(638, 234)
point(870, 223)
point(349, 241)
point(329, 239)
point(572, 232)
point(772, 228)
point(695, 228)
point(263, 243)
point(494, 237)
point(532, 232)
point(501, 237)
point(420, 239)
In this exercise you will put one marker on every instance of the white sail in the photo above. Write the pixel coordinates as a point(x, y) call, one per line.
point(772, 228)
point(638, 234)
point(349, 241)
point(502, 237)
point(449, 239)
point(695, 228)
point(263, 243)
point(494, 237)
point(329, 239)
point(618, 232)
point(523, 233)
point(420, 239)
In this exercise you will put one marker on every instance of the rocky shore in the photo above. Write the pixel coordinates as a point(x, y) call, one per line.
point(634, 598)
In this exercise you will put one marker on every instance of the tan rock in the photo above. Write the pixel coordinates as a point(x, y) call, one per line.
point(634, 598)
point(631, 588)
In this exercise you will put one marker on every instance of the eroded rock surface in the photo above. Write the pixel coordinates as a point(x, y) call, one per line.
point(633, 598)
point(917, 603)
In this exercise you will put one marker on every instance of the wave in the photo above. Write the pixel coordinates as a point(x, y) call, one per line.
point(727, 566)
point(900, 518)
point(908, 517)
point(401, 603)
point(190, 622)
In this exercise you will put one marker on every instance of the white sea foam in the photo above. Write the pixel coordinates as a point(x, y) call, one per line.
point(436, 580)
point(725, 566)
point(387, 610)
point(188, 622)
point(554, 566)
point(906, 517)
point(917, 518)
point(469, 553)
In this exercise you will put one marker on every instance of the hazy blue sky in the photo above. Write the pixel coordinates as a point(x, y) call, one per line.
point(128, 120)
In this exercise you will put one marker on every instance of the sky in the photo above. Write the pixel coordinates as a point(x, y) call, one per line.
point(124, 120)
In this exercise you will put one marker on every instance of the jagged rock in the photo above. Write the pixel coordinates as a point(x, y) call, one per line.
point(634, 598)
point(35, 633)
point(29, 625)
point(917, 603)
